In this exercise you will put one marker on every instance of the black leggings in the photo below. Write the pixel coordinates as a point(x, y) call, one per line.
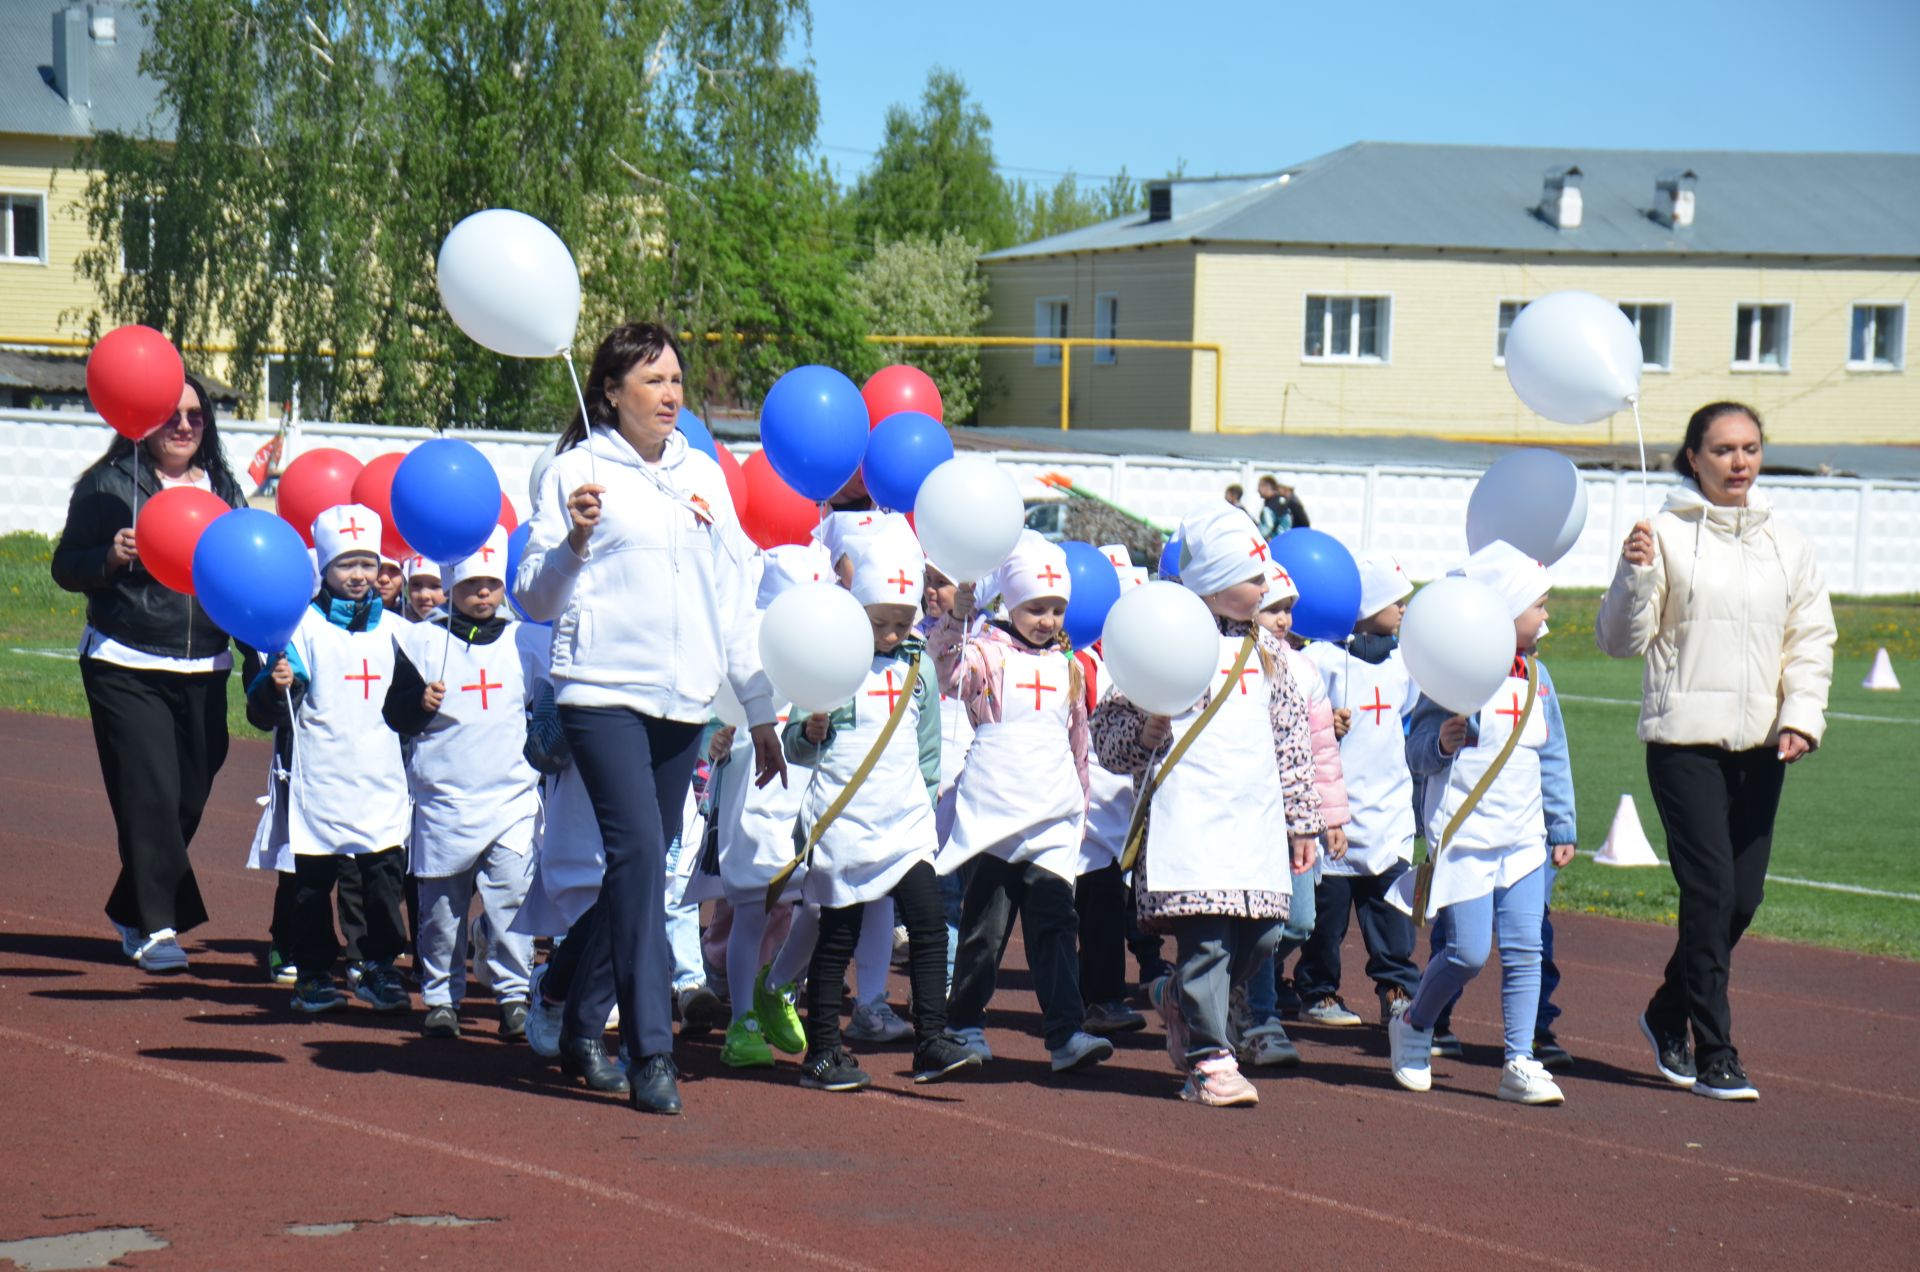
point(917, 904)
point(1717, 808)
point(382, 878)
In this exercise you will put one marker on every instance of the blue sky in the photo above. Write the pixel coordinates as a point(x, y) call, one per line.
point(1239, 86)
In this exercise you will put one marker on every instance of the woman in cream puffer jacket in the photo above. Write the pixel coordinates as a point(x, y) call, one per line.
point(1730, 611)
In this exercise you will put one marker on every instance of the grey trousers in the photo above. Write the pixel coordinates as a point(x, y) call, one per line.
point(1216, 952)
point(502, 877)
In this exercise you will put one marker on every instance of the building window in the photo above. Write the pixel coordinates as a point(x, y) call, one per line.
point(1879, 338)
point(1347, 328)
point(23, 236)
point(1106, 326)
point(1654, 325)
point(1761, 335)
point(1049, 323)
point(1509, 310)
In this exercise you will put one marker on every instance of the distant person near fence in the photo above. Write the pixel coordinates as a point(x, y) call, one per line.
point(1280, 508)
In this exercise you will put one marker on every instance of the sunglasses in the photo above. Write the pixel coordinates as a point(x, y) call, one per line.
point(195, 419)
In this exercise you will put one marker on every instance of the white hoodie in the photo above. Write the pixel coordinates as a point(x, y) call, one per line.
point(661, 605)
point(1735, 624)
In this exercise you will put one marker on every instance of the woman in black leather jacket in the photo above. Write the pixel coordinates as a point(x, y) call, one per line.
point(155, 668)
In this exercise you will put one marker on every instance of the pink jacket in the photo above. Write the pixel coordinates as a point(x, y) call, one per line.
point(977, 679)
point(1327, 777)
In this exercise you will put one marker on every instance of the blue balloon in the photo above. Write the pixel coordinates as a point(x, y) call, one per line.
point(902, 449)
point(253, 577)
point(517, 548)
point(1328, 580)
point(698, 435)
point(1096, 586)
point(446, 499)
point(813, 427)
point(1170, 561)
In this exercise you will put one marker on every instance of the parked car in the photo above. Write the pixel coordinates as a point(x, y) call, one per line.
point(1048, 517)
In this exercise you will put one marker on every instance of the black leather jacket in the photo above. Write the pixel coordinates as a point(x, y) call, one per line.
point(130, 605)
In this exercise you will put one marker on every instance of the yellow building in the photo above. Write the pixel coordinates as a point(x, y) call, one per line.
point(1369, 291)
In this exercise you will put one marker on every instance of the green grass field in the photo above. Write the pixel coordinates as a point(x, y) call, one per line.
point(1843, 819)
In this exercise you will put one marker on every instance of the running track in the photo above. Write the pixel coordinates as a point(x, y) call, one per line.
point(198, 1107)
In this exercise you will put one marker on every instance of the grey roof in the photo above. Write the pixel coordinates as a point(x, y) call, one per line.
point(1483, 198)
point(67, 373)
point(123, 100)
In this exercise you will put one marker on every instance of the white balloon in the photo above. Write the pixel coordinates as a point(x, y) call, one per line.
point(1574, 357)
point(726, 705)
point(1458, 640)
point(1534, 499)
point(1161, 647)
point(510, 283)
point(969, 515)
point(816, 645)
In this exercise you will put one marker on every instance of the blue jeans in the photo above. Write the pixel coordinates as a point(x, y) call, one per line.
point(683, 925)
point(1549, 970)
point(1263, 996)
point(1466, 931)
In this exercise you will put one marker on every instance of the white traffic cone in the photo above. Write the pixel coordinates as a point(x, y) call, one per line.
point(1626, 842)
point(1882, 677)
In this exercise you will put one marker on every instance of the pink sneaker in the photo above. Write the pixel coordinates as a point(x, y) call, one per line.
point(1164, 994)
point(1217, 1081)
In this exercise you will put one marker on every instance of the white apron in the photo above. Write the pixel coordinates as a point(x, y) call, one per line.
point(1373, 756)
point(569, 861)
point(1218, 823)
point(1504, 839)
point(1019, 797)
point(756, 825)
point(472, 785)
point(347, 790)
point(270, 849)
point(1110, 796)
point(888, 826)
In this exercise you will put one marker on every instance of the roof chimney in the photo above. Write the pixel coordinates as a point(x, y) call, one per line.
point(70, 55)
point(1560, 203)
point(100, 24)
point(1673, 197)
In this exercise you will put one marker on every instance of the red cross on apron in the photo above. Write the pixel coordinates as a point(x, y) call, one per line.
point(1227, 673)
point(891, 694)
point(1039, 687)
point(366, 679)
point(483, 686)
point(1377, 706)
point(1514, 713)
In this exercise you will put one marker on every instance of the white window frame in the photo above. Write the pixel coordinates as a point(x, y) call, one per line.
point(6, 231)
point(1786, 339)
point(1666, 352)
point(1106, 322)
point(1048, 355)
point(1867, 364)
point(152, 206)
point(1499, 349)
point(1383, 358)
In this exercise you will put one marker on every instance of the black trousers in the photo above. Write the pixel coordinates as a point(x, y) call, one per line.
point(1051, 928)
point(637, 770)
point(162, 737)
point(382, 877)
point(280, 932)
point(917, 905)
point(1387, 932)
point(1717, 808)
point(1100, 896)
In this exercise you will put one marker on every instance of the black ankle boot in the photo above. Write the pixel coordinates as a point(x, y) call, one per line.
point(587, 1058)
point(656, 1086)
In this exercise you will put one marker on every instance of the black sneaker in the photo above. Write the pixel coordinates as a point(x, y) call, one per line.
point(1724, 1079)
point(442, 1022)
point(317, 994)
point(1445, 1045)
point(940, 1057)
point(513, 1022)
point(833, 1071)
point(381, 988)
point(1552, 1056)
point(1672, 1054)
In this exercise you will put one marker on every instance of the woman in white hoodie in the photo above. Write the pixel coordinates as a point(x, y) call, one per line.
point(637, 557)
point(1729, 609)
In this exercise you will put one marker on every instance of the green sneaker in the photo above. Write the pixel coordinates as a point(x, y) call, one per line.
point(775, 1010)
point(745, 1048)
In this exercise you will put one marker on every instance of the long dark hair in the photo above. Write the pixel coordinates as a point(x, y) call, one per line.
point(621, 350)
point(1703, 419)
point(210, 458)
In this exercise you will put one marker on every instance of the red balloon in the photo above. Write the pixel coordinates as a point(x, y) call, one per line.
point(901, 388)
point(776, 513)
point(314, 482)
point(509, 519)
point(135, 378)
point(169, 529)
point(373, 488)
point(736, 480)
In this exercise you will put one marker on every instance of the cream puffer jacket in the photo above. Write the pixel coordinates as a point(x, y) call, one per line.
point(1735, 624)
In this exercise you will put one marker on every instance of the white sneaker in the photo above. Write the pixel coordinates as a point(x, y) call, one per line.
point(543, 1018)
point(131, 939)
point(161, 953)
point(876, 1022)
point(1525, 1081)
point(974, 1040)
point(1331, 1011)
point(899, 944)
point(1411, 1050)
point(1082, 1051)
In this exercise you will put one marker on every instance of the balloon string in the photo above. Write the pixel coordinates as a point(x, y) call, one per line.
point(1641, 437)
point(593, 469)
point(446, 650)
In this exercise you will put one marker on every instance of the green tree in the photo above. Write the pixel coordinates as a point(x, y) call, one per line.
point(928, 287)
point(1067, 205)
point(935, 172)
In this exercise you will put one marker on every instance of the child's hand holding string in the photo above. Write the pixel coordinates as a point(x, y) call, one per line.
point(282, 676)
point(1155, 732)
point(963, 602)
point(816, 728)
point(1305, 847)
point(1342, 721)
point(1336, 843)
point(721, 745)
point(1453, 734)
point(433, 695)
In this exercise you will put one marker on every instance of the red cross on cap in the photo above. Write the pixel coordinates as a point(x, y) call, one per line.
point(486, 553)
point(1049, 576)
point(353, 529)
